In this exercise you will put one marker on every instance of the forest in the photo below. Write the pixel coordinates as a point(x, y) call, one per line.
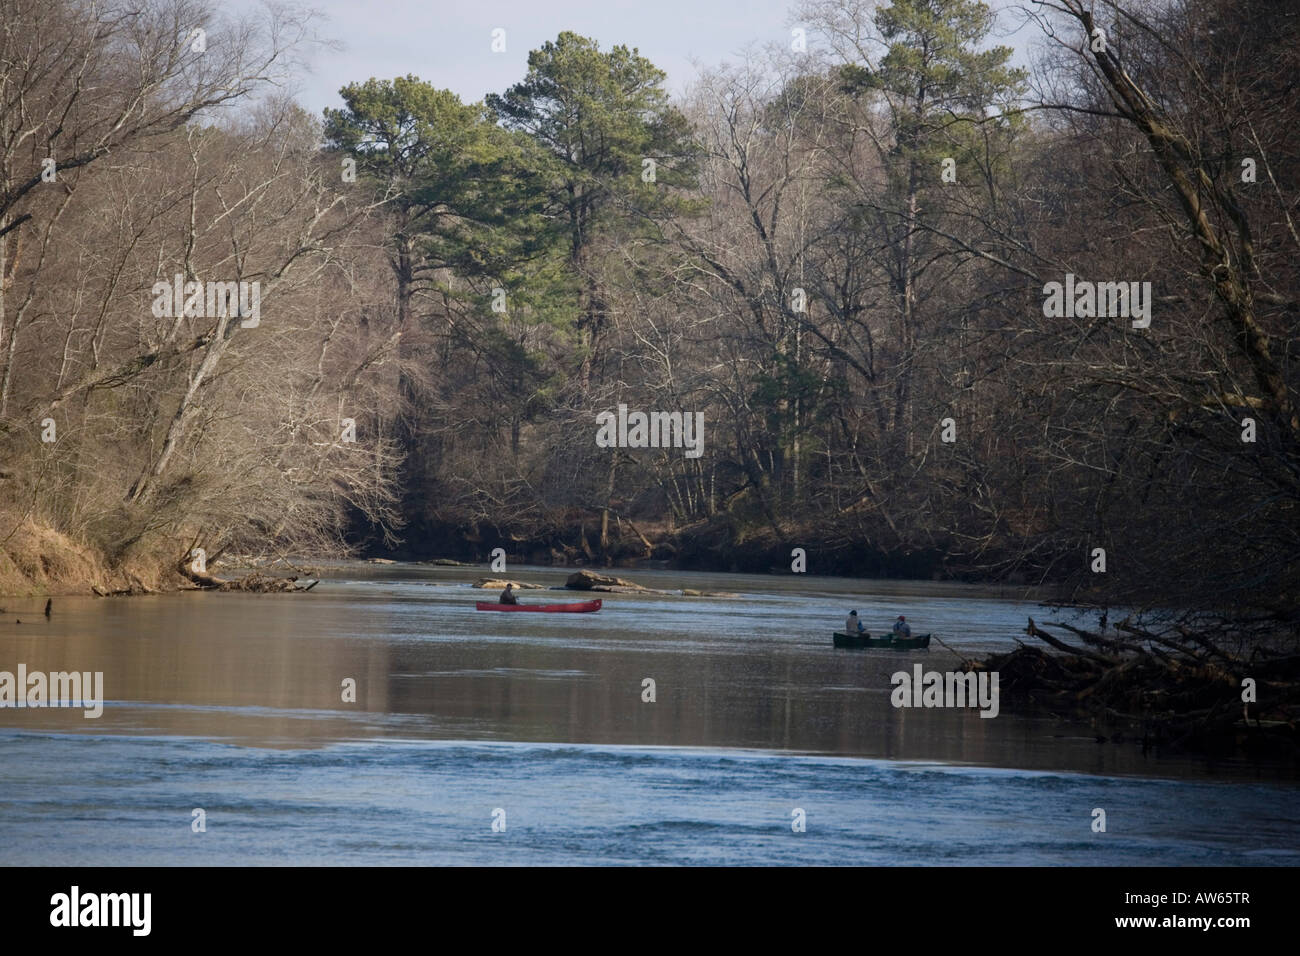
point(926, 313)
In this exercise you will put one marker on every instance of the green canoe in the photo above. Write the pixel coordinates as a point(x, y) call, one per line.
point(863, 640)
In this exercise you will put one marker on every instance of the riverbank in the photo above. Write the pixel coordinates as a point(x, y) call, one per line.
point(36, 560)
point(39, 561)
point(724, 543)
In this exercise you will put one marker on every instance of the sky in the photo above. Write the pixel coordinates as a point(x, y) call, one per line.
point(448, 42)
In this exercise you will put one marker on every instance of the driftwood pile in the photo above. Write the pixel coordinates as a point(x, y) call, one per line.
point(254, 582)
point(1177, 689)
point(135, 587)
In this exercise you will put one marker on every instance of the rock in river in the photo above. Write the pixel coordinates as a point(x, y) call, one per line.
point(499, 584)
point(591, 581)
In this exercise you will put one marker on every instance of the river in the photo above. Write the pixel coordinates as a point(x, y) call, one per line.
point(486, 738)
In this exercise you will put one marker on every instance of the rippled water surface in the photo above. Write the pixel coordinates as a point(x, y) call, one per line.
point(233, 703)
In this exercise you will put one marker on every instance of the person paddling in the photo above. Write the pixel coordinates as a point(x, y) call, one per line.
point(853, 626)
point(508, 595)
point(901, 629)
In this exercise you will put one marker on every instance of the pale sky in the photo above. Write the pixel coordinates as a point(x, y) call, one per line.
point(448, 42)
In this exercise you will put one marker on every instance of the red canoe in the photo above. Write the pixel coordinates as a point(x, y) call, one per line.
point(580, 608)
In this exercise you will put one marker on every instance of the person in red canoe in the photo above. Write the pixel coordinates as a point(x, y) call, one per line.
point(508, 595)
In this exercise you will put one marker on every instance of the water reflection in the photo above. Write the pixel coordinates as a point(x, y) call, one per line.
point(754, 672)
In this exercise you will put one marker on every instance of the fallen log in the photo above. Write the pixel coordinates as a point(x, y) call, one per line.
point(1034, 631)
point(136, 587)
point(1097, 640)
point(254, 582)
point(1202, 642)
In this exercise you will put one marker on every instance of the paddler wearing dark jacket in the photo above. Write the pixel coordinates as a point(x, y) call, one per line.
point(508, 596)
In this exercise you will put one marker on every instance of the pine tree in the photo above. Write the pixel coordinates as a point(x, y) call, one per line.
point(601, 116)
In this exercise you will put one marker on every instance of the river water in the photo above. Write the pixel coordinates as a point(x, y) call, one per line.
point(488, 738)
